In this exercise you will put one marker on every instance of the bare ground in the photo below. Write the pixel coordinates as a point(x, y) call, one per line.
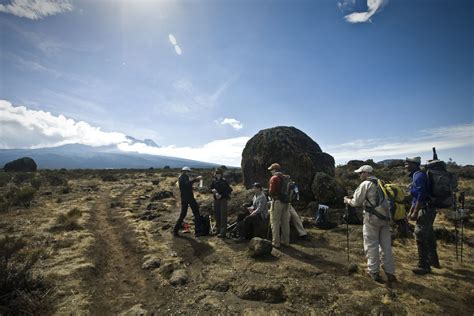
point(97, 269)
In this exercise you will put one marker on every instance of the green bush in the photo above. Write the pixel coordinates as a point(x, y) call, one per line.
point(4, 178)
point(22, 292)
point(18, 196)
point(56, 180)
point(22, 177)
point(36, 183)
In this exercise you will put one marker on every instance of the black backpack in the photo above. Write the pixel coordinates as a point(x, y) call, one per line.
point(441, 183)
point(285, 189)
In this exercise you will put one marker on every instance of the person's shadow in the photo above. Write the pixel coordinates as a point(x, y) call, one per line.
point(201, 249)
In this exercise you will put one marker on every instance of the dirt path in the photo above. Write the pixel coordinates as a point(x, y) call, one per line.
point(119, 282)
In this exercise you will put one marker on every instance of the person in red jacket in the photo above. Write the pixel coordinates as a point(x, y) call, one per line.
point(279, 211)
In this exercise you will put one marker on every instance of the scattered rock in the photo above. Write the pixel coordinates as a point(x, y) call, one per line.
point(116, 204)
point(168, 268)
point(155, 206)
point(179, 277)
point(25, 164)
point(136, 310)
point(220, 286)
point(161, 195)
point(259, 247)
point(166, 226)
point(352, 268)
point(300, 157)
point(155, 182)
point(47, 193)
point(152, 262)
point(149, 215)
point(269, 293)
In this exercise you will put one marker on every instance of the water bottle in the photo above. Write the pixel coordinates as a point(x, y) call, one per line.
point(297, 191)
point(201, 183)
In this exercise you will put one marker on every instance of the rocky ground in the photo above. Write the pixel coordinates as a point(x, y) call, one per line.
point(119, 256)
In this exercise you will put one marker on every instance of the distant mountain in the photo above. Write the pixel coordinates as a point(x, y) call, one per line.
point(147, 142)
point(76, 156)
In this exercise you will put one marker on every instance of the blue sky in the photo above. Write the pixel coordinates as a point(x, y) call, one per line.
point(365, 79)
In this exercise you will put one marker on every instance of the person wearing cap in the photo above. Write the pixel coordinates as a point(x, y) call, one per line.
point(257, 213)
point(187, 198)
point(424, 214)
point(376, 228)
point(279, 211)
point(221, 191)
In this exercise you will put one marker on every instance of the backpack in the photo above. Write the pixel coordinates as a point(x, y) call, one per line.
point(285, 189)
point(202, 225)
point(396, 197)
point(322, 218)
point(382, 208)
point(441, 184)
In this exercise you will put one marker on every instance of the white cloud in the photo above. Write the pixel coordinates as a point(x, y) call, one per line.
point(443, 138)
point(174, 42)
point(36, 9)
point(172, 39)
point(224, 151)
point(24, 128)
point(232, 122)
point(360, 17)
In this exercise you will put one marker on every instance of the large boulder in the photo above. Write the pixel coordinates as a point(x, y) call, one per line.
point(25, 164)
point(299, 155)
point(327, 190)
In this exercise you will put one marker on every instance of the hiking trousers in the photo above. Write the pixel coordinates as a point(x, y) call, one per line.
point(220, 215)
point(280, 219)
point(425, 237)
point(296, 221)
point(377, 243)
point(184, 210)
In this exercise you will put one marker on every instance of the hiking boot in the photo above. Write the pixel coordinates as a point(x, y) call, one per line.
point(436, 265)
point(421, 271)
point(391, 278)
point(375, 276)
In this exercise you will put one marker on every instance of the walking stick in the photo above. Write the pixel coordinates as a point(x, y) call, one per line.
point(347, 232)
point(456, 224)
point(462, 199)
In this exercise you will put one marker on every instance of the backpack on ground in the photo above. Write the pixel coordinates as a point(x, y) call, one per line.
point(441, 183)
point(322, 218)
point(285, 189)
point(202, 225)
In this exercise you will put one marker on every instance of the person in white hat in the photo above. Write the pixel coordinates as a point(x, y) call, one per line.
point(376, 229)
point(187, 198)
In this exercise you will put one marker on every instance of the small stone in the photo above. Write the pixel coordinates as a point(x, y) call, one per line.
point(136, 310)
point(259, 247)
point(151, 263)
point(166, 227)
point(352, 268)
point(179, 277)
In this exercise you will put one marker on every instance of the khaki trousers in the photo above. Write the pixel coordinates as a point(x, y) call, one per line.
point(280, 219)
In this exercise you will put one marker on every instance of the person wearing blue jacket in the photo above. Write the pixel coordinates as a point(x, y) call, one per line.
point(424, 213)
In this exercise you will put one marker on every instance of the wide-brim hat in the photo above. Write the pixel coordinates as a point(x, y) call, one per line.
point(185, 169)
point(416, 160)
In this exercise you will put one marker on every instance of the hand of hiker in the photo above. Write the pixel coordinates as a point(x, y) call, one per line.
point(413, 216)
point(346, 200)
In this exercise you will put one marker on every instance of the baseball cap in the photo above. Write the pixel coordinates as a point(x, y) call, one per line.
point(365, 168)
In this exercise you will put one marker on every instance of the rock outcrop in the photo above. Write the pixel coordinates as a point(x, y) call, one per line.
point(299, 155)
point(25, 164)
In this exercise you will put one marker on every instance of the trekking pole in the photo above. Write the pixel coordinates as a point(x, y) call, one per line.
point(462, 199)
point(347, 231)
point(456, 224)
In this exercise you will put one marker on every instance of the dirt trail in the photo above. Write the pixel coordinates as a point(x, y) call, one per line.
point(119, 282)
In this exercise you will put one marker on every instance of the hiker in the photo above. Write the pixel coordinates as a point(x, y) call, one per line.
point(187, 199)
point(256, 214)
point(376, 227)
point(279, 211)
point(221, 192)
point(297, 223)
point(425, 215)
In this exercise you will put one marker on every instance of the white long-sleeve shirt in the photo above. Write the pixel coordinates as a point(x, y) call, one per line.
point(367, 190)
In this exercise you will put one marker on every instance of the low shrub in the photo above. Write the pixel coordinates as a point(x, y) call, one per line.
point(21, 291)
point(69, 220)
